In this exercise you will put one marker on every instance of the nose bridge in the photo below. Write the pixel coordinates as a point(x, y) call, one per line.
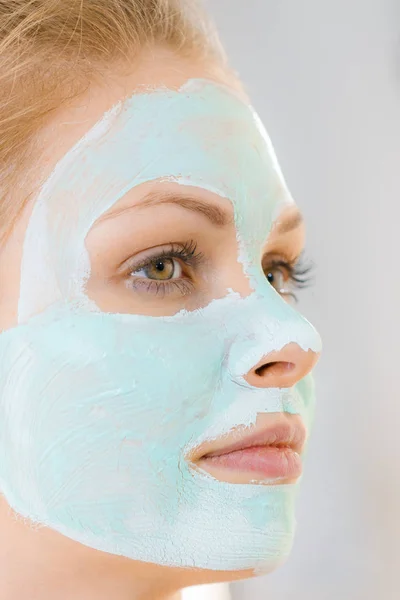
point(265, 325)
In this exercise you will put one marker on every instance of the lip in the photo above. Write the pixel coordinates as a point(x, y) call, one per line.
point(269, 450)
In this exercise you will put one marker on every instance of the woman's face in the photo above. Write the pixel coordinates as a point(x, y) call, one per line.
point(150, 326)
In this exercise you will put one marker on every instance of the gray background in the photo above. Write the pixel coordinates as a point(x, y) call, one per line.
point(324, 76)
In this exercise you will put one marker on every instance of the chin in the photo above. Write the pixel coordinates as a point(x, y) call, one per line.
point(193, 576)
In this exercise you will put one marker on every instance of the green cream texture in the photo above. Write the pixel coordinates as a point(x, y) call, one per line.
point(97, 410)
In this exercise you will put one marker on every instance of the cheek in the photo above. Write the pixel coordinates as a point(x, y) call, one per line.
point(98, 424)
point(112, 403)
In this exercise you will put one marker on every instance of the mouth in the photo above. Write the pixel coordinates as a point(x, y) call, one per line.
point(268, 452)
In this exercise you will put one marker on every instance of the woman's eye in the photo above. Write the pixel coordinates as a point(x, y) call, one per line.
point(278, 279)
point(285, 276)
point(160, 269)
point(171, 271)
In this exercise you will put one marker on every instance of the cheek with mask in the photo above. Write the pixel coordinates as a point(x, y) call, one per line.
point(101, 408)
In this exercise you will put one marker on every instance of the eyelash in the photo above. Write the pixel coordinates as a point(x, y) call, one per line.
point(296, 271)
point(186, 253)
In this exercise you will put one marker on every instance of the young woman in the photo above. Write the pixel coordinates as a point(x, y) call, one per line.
point(155, 396)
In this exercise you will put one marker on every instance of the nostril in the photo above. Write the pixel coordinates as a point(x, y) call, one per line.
point(276, 368)
point(273, 371)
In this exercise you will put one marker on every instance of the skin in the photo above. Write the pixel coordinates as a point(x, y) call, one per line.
point(53, 566)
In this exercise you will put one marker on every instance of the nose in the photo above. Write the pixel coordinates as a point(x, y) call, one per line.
point(283, 368)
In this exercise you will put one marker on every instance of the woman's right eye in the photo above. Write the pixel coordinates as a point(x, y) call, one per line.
point(160, 269)
point(168, 271)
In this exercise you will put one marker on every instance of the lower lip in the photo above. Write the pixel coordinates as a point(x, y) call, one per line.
point(267, 462)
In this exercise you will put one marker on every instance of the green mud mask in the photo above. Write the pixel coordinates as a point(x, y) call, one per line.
point(97, 410)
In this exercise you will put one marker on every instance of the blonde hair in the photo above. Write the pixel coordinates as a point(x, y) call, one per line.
point(51, 50)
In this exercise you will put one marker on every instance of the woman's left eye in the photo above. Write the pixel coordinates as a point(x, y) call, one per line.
point(277, 278)
point(284, 276)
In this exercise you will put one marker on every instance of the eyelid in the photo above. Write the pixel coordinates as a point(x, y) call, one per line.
point(127, 263)
point(184, 251)
point(274, 257)
point(185, 286)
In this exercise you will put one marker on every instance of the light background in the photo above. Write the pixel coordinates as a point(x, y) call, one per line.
point(324, 76)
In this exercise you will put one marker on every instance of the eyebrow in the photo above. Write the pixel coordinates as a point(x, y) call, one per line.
point(216, 215)
point(289, 223)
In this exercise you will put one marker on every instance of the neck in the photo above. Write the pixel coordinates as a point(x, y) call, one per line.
point(41, 564)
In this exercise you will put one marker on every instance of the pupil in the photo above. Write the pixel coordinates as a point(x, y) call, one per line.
point(160, 265)
point(270, 277)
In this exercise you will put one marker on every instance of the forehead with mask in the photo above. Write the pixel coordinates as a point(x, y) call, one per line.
point(150, 327)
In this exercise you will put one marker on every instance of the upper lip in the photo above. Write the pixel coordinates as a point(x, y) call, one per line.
point(282, 433)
